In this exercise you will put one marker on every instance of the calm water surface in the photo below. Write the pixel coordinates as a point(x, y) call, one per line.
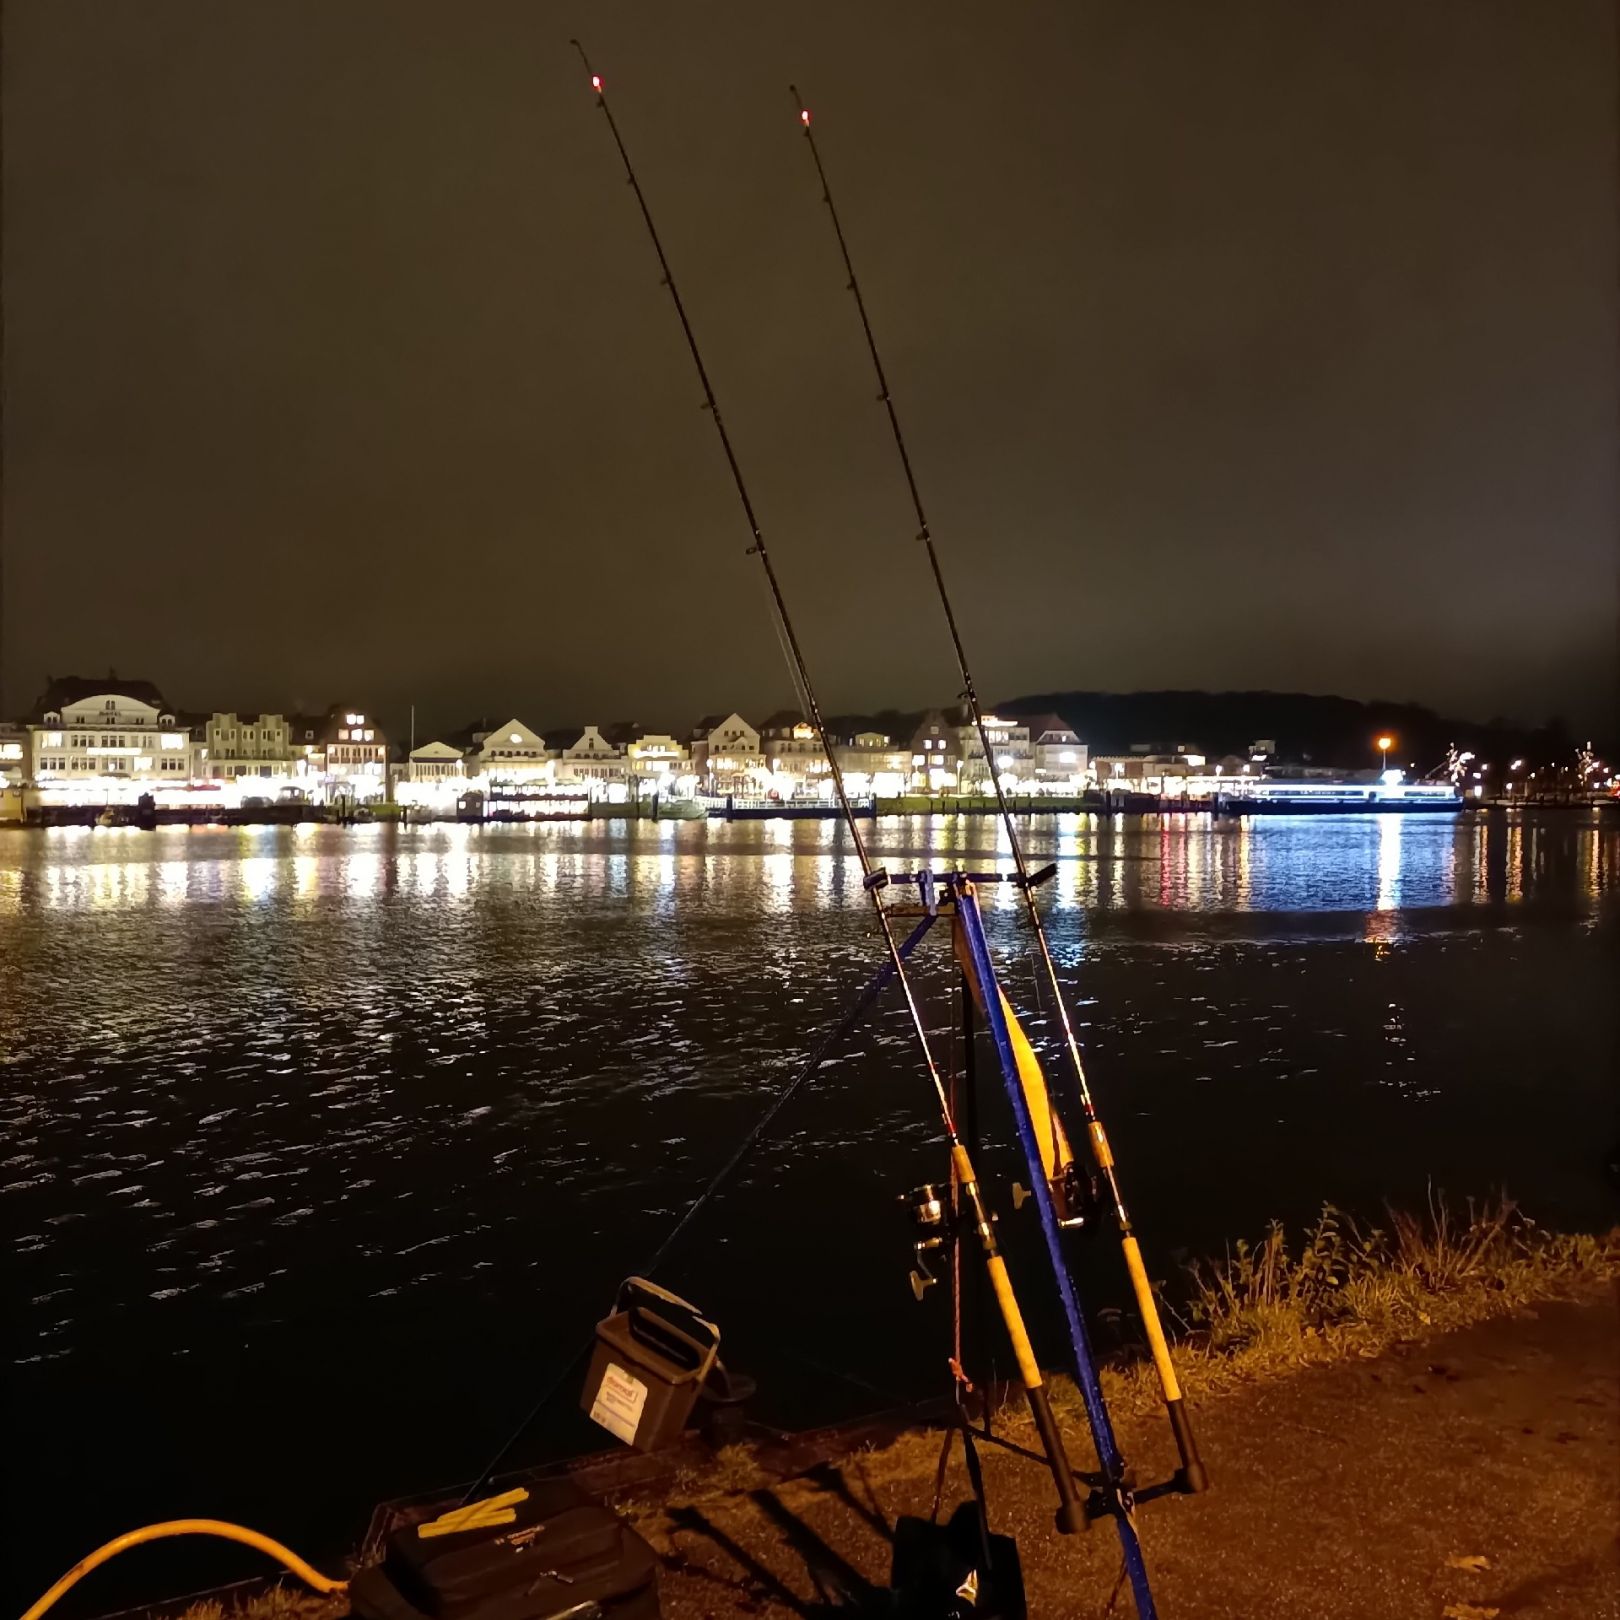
point(319, 1146)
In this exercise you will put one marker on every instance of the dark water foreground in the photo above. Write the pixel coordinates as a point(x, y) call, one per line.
point(319, 1146)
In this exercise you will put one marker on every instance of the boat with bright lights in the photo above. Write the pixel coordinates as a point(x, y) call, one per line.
point(1292, 798)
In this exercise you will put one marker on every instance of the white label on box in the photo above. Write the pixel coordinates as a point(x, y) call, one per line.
point(618, 1403)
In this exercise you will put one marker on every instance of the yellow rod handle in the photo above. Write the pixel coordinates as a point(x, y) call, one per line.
point(1146, 1304)
point(1029, 1369)
point(186, 1527)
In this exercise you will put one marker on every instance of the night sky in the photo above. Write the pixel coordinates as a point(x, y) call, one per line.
point(1238, 345)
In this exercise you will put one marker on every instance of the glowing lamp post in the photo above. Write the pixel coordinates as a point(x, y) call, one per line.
point(1385, 743)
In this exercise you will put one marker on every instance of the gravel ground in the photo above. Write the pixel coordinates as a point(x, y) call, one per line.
point(1471, 1476)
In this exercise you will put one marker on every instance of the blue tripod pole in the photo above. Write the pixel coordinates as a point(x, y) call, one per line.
point(1116, 1494)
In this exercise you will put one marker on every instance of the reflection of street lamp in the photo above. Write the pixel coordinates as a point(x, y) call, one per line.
point(1386, 743)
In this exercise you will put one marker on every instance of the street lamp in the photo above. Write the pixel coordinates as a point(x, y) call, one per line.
point(1385, 743)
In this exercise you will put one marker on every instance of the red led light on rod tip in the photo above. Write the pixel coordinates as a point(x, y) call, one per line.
point(596, 81)
point(804, 117)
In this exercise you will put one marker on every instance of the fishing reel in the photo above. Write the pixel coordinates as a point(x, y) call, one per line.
point(933, 1224)
point(1077, 1197)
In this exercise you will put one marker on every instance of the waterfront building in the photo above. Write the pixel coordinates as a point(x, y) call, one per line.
point(432, 776)
point(103, 734)
point(872, 762)
point(936, 754)
point(258, 746)
point(1060, 758)
point(584, 755)
point(655, 761)
point(436, 763)
point(13, 753)
point(794, 757)
point(509, 755)
point(1181, 772)
point(1010, 745)
point(726, 754)
point(344, 751)
point(1162, 773)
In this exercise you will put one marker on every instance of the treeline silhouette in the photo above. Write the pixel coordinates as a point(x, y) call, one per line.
point(1306, 727)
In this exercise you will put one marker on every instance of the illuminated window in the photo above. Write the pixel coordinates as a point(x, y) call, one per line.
point(343, 731)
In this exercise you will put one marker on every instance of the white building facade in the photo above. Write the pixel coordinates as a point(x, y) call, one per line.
point(251, 746)
point(656, 761)
point(436, 763)
point(873, 763)
point(592, 761)
point(794, 757)
point(511, 755)
point(344, 753)
point(1012, 753)
point(1061, 760)
point(109, 735)
point(726, 754)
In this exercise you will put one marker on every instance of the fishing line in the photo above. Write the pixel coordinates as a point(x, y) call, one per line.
point(874, 879)
point(1193, 1474)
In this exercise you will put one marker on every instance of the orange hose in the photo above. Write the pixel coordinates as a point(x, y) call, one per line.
point(185, 1527)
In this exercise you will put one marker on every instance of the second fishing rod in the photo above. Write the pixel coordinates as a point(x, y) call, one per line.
point(1192, 1475)
point(1071, 1514)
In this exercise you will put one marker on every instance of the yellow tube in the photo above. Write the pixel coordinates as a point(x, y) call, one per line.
point(185, 1527)
point(1150, 1318)
point(1056, 1155)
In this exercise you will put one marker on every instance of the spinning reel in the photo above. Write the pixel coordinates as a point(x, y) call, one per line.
point(933, 1224)
point(1076, 1195)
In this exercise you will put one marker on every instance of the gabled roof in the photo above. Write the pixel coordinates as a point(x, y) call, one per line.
point(1040, 724)
point(486, 730)
point(77, 688)
point(713, 722)
point(782, 720)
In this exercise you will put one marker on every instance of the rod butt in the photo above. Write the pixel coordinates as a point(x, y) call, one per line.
point(1071, 1513)
point(1192, 1475)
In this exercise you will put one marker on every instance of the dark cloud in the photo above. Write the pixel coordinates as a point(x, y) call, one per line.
point(1251, 345)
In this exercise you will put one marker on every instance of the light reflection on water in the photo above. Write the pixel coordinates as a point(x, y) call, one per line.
point(272, 1097)
point(1169, 863)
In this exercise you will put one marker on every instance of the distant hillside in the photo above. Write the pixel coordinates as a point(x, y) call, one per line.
point(1326, 730)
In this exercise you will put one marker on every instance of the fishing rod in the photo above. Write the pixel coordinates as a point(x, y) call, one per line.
point(1071, 1513)
point(1193, 1476)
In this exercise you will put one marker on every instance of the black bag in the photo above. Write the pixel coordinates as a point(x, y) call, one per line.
point(562, 1554)
point(940, 1572)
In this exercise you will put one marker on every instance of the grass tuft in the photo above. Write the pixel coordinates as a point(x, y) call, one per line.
point(1350, 1287)
point(277, 1603)
point(1347, 1289)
